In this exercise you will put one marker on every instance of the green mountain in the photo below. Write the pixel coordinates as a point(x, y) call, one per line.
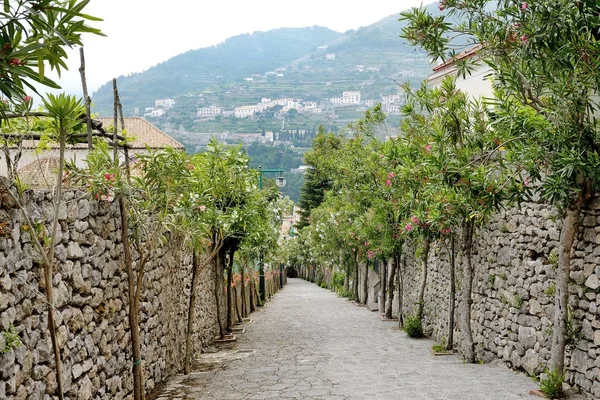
point(195, 70)
point(372, 59)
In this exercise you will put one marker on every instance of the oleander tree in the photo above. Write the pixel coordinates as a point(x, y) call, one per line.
point(544, 58)
point(35, 35)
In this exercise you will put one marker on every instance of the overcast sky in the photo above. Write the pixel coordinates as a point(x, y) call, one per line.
point(143, 33)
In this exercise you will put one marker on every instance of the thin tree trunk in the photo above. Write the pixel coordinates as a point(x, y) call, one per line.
point(421, 299)
point(86, 98)
point(383, 284)
point(366, 284)
point(466, 290)
point(390, 298)
point(237, 306)
point(251, 294)
point(229, 290)
point(450, 344)
point(243, 288)
point(49, 265)
point(346, 276)
point(115, 125)
point(191, 313)
point(561, 298)
point(219, 292)
point(356, 275)
point(138, 383)
point(400, 275)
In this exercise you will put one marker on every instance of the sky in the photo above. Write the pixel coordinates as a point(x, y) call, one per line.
point(143, 33)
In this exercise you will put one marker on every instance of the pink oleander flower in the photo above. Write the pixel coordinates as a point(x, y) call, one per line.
point(27, 99)
point(370, 254)
point(107, 176)
point(524, 6)
point(391, 175)
point(526, 182)
point(428, 147)
point(442, 5)
point(524, 39)
point(202, 208)
point(414, 219)
point(408, 227)
point(388, 183)
point(366, 243)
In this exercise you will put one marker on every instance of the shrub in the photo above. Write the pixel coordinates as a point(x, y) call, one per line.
point(551, 385)
point(413, 326)
point(338, 280)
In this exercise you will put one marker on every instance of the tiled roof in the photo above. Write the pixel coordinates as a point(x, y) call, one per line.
point(143, 132)
point(40, 173)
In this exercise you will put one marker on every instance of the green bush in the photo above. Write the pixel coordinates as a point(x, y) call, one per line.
point(345, 293)
point(413, 326)
point(338, 280)
point(551, 385)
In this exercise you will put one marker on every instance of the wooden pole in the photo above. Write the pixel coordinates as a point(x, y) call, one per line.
point(87, 99)
point(115, 126)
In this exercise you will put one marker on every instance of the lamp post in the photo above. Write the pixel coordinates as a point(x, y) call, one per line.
point(280, 182)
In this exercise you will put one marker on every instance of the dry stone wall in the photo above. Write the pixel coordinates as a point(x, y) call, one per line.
point(513, 295)
point(90, 288)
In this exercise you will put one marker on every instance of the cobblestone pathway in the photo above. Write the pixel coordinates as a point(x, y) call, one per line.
point(310, 344)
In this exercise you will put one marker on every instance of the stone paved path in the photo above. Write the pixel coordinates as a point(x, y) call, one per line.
point(310, 344)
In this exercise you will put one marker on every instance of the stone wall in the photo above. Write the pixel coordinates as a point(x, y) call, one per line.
point(513, 292)
point(91, 305)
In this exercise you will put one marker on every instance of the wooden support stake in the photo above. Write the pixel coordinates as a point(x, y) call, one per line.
point(87, 99)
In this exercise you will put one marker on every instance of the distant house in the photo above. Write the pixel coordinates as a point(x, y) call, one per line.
point(245, 111)
point(348, 97)
point(37, 170)
point(164, 103)
point(211, 111)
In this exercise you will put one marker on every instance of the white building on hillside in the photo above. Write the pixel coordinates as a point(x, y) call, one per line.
point(164, 103)
point(348, 97)
point(245, 111)
point(211, 111)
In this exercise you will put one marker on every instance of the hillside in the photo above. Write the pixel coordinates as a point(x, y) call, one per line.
point(195, 70)
point(372, 59)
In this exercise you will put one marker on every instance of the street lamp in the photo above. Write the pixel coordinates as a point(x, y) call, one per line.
point(280, 182)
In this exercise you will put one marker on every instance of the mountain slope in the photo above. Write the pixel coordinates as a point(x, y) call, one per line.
point(236, 58)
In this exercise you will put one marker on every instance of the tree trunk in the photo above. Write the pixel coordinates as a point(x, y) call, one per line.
point(229, 290)
point(346, 278)
point(561, 298)
point(238, 313)
point(421, 299)
point(356, 274)
point(243, 288)
point(400, 275)
point(365, 288)
point(390, 286)
point(138, 382)
point(467, 288)
point(191, 313)
point(383, 285)
point(251, 294)
point(48, 267)
point(450, 344)
point(218, 292)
